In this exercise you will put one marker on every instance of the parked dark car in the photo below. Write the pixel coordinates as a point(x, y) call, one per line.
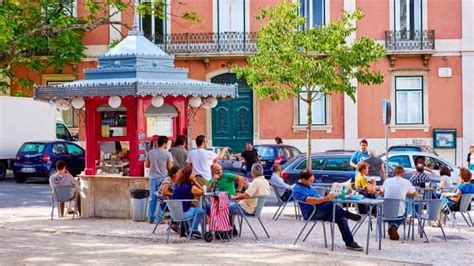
point(327, 167)
point(274, 153)
point(39, 158)
point(230, 161)
point(412, 147)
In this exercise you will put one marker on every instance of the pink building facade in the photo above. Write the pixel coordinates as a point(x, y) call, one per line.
point(427, 72)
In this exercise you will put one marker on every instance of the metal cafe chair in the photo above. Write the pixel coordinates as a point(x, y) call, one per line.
point(390, 213)
point(63, 194)
point(282, 204)
point(433, 208)
point(257, 215)
point(464, 204)
point(309, 220)
point(175, 207)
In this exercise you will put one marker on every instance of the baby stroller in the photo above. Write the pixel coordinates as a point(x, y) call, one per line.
point(219, 217)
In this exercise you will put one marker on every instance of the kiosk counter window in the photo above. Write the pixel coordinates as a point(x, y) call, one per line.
point(113, 121)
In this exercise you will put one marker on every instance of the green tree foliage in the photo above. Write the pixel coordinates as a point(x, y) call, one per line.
point(38, 34)
point(291, 59)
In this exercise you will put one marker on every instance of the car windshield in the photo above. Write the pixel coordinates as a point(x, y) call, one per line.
point(33, 148)
point(265, 153)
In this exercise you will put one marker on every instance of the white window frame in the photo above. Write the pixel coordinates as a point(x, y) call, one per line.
point(393, 10)
point(297, 126)
point(166, 22)
point(327, 11)
point(424, 125)
point(216, 28)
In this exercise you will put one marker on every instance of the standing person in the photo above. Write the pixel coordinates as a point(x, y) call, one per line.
point(422, 160)
point(250, 156)
point(283, 188)
point(470, 163)
point(63, 178)
point(179, 151)
point(361, 154)
point(397, 187)
point(159, 160)
point(376, 167)
point(201, 160)
point(304, 192)
point(278, 140)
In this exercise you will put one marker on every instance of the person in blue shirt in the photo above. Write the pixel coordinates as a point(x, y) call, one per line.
point(304, 192)
point(465, 188)
point(361, 154)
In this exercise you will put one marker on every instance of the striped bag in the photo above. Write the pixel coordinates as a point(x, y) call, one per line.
point(219, 220)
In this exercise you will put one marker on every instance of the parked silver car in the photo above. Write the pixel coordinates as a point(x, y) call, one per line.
point(407, 159)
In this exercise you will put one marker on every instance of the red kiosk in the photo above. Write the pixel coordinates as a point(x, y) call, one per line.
point(133, 95)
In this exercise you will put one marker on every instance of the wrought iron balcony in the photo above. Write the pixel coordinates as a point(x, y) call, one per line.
point(212, 43)
point(410, 41)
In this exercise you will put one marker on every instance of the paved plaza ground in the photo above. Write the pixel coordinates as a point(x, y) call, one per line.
point(29, 236)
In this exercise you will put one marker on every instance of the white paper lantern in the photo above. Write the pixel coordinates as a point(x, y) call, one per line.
point(157, 101)
point(115, 101)
point(62, 105)
point(195, 102)
point(209, 102)
point(77, 102)
point(212, 101)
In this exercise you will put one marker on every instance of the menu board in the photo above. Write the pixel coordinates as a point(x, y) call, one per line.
point(161, 126)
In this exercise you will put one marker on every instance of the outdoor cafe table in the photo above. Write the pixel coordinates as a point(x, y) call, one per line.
point(371, 203)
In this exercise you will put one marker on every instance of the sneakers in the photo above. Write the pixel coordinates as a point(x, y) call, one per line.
point(353, 216)
point(354, 246)
point(196, 235)
point(393, 233)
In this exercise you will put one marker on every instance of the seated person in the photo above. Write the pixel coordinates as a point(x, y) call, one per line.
point(283, 188)
point(397, 187)
point(364, 187)
point(362, 184)
point(166, 191)
point(258, 187)
point(445, 180)
point(188, 188)
point(225, 182)
point(63, 178)
point(465, 188)
point(420, 178)
point(304, 192)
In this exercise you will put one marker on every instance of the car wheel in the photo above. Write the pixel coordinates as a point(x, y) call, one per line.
point(51, 172)
point(3, 170)
point(19, 178)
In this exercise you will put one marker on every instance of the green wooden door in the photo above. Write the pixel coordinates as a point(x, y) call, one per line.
point(232, 119)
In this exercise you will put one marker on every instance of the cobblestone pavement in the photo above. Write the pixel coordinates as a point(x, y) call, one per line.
point(31, 212)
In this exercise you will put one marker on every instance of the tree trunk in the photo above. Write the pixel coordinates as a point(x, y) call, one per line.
point(309, 122)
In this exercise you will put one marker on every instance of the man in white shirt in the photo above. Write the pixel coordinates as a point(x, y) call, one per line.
point(201, 160)
point(258, 187)
point(397, 187)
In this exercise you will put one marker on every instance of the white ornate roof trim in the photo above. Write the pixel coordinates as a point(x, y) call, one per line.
point(85, 88)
